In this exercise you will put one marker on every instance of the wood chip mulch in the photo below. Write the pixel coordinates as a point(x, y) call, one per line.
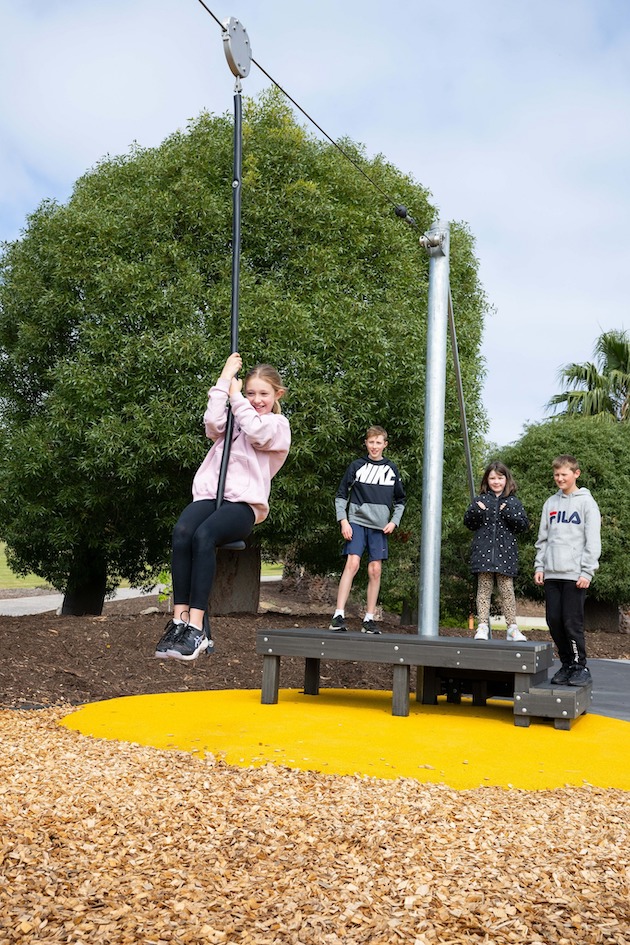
point(106, 842)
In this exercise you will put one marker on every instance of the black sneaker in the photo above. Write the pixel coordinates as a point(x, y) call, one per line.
point(338, 623)
point(189, 642)
point(581, 676)
point(167, 639)
point(368, 626)
point(563, 675)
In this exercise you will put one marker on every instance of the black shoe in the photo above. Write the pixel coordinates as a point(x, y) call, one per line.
point(189, 642)
point(338, 623)
point(563, 675)
point(368, 626)
point(167, 639)
point(581, 676)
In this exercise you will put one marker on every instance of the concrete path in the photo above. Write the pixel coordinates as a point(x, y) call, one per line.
point(611, 688)
point(524, 623)
point(44, 603)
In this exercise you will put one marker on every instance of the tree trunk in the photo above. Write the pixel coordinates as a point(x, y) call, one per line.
point(237, 583)
point(601, 616)
point(85, 591)
point(409, 614)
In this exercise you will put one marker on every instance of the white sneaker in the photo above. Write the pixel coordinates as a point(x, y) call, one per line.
point(514, 634)
point(483, 632)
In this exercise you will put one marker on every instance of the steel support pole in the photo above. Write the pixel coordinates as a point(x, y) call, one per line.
point(436, 242)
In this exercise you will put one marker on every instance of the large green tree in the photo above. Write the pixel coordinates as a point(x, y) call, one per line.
point(114, 320)
point(600, 388)
point(603, 452)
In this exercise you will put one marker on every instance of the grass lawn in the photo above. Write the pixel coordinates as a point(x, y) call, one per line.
point(9, 579)
point(272, 570)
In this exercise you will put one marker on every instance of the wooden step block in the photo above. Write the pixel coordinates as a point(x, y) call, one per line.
point(560, 703)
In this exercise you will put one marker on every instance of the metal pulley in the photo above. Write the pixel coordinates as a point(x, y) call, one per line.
point(237, 48)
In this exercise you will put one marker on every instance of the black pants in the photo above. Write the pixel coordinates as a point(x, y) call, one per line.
point(200, 530)
point(565, 618)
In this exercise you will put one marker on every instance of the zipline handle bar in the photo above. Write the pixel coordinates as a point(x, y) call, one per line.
point(236, 262)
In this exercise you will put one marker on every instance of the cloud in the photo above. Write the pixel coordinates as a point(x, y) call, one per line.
point(513, 115)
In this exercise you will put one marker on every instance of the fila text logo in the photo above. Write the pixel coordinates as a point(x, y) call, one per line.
point(376, 475)
point(561, 516)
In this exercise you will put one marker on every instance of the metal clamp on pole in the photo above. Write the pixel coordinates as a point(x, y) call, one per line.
point(433, 240)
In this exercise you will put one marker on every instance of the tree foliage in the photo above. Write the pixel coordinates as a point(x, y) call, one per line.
point(114, 321)
point(603, 451)
point(600, 389)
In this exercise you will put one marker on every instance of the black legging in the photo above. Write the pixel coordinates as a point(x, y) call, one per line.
point(200, 530)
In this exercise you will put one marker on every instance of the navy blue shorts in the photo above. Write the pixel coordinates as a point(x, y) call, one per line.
point(371, 538)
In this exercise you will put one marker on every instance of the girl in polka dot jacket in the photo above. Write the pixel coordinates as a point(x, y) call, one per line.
point(496, 516)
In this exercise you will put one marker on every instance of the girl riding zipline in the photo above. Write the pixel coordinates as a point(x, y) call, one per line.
point(260, 444)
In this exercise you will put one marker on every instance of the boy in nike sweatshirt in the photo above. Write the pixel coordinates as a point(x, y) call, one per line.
point(567, 556)
point(369, 504)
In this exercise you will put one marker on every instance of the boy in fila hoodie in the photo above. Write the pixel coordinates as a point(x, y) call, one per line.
point(567, 556)
point(369, 504)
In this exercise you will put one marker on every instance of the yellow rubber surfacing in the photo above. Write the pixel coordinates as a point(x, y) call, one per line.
point(352, 732)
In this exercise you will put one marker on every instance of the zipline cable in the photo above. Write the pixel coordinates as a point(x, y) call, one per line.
point(401, 211)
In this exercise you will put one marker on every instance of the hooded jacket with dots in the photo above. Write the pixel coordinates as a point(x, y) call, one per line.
point(494, 549)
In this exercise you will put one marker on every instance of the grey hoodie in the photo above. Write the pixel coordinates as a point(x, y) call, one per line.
point(569, 543)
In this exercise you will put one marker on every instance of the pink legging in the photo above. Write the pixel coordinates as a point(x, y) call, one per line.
point(505, 586)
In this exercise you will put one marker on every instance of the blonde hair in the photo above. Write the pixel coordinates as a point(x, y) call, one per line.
point(268, 373)
point(376, 431)
point(566, 460)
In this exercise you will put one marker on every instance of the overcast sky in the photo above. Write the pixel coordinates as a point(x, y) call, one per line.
point(515, 115)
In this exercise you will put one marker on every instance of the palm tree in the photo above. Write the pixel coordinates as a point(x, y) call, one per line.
point(600, 389)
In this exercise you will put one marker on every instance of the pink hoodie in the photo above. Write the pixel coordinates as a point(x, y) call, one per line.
point(260, 445)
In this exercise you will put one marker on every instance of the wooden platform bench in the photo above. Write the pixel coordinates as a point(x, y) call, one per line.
point(445, 665)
